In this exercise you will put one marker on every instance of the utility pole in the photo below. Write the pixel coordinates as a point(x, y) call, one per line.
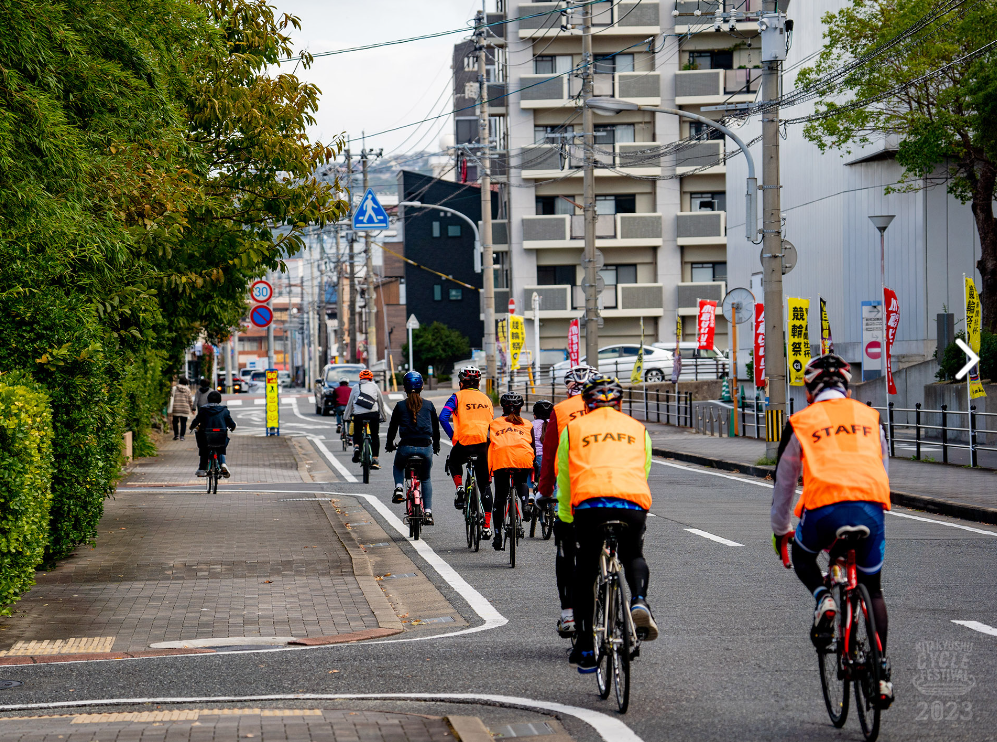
point(370, 306)
point(313, 316)
point(340, 295)
point(588, 187)
point(487, 258)
point(351, 275)
point(775, 344)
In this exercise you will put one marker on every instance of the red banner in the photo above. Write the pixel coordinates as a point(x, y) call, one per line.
point(892, 322)
point(707, 324)
point(573, 334)
point(759, 357)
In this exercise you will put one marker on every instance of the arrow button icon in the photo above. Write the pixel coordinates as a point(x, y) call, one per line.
point(973, 359)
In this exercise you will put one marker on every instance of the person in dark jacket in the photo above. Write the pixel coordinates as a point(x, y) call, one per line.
point(341, 397)
point(212, 417)
point(418, 427)
point(201, 395)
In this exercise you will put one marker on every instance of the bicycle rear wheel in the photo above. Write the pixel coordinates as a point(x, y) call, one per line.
point(208, 479)
point(547, 523)
point(415, 522)
point(513, 534)
point(622, 647)
point(472, 493)
point(214, 481)
point(833, 684)
point(864, 649)
point(534, 517)
point(469, 524)
point(365, 461)
point(601, 642)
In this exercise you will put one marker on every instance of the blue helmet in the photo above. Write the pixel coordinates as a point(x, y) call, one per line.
point(412, 382)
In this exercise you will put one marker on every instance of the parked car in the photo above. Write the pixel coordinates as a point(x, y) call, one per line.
point(329, 380)
point(237, 384)
point(257, 383)
point(618, 361)
point(697, 364)
point(283, 378)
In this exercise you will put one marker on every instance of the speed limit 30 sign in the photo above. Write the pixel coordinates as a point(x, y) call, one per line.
point(261, 291)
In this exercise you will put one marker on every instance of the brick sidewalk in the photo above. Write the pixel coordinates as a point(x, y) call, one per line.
point(179, 566)
point(252, 459)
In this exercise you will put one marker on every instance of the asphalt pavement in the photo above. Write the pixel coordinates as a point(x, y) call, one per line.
point(733, 660)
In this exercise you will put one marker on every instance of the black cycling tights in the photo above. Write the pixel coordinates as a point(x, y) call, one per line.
point(564, 561)
point(810, 575)
point(519, 477)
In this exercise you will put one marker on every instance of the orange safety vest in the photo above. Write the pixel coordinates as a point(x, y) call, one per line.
point(607, 457)
point(842, 454)
point(565, 411)
point(472, 417)
point(509, 446)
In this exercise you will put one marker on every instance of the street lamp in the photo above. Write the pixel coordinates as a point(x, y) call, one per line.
point(607, 106)
point(881, 223)
point(474, 227)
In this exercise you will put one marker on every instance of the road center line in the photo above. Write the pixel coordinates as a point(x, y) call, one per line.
point(941, 523)
point(713, 537)
point(977, 626)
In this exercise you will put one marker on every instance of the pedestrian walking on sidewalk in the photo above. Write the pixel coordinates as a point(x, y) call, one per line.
point(201, 396)
point(181, 406)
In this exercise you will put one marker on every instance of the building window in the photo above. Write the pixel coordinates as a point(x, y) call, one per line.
point(711, 60)
point(549, 64)
point(699, 130)
point(551, 205)
point(467, 130)
point(552, 134)
point(614, 274)
point(470, 63)
point(615, 63)
point(501, 270)
point(402, 295)
point(437, 292)
point(716, 201)
point(436, 229)
point(555, 275)
point(620, 204)
point(456, 294)
point(453, 230)
point(702, 272)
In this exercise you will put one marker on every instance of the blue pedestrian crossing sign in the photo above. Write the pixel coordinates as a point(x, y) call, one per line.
point(370, 214)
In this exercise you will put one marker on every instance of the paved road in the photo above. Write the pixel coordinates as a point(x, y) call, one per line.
point(733, 661)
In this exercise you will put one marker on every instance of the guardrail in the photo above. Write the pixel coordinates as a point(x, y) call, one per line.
point(976, 423)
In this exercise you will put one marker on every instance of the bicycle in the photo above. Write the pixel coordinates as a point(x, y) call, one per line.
point(615, 638)
point(366, 456)
point(544, 515)
point(344, 434)
point(474, 513)
point(415, 514)
point(512, 522)
point(853, 655)
point(214, 471)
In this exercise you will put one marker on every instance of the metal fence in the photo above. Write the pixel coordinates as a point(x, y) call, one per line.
point(976, 425)
point(661, 405)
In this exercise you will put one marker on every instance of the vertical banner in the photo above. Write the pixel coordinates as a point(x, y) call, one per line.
point(892, 322)
point(273, 402)
point(637, 375)
point(973, 323)
point(677, 358)
point(517, 338)
point(826, 343)
point(759, 356)
point(573, 342)
point(798, 339)
point(706, 324)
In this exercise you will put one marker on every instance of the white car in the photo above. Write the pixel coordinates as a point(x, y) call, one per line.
point(697, 364)
point(618, 361)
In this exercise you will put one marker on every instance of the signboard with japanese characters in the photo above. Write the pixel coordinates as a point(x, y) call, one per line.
point(797, 339)
point(892, 323)
point(759, 355)
point(706, 325)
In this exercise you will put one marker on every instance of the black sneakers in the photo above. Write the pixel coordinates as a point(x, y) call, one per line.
point(584, 660)
point(458, 501)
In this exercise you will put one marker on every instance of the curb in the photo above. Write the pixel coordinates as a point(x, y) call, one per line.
point(974, 513)
point(468, 728)
point(52, 658)
point(353, 636)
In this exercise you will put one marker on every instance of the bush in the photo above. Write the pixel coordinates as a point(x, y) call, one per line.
point(438, 346)
point(25, 483)
point(954, 359)
point(146, 391)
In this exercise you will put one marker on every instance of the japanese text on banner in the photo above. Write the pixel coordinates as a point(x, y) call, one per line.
point(759, 356)
point(517, 337)
point(273, 411)
point(892, 323)
point(637, 375)
point(973, 322)
point(677, 363)
point(573, 342)
point(798, 339)
point(826, 343)
point(706, 325)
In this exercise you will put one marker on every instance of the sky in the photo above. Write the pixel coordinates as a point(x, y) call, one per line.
point(380, 88)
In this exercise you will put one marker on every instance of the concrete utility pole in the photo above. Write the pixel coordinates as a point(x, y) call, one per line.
point(340, 292)
point(370, 306)
point(351, 275)
point(588, 187)
point(488, 259)
point(775, 344)
point(315, 307)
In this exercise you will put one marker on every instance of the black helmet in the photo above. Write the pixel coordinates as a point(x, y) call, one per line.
point(602, 391)
point(511, 402)
point(470, 376)
point(542, 409)
point(827, 372)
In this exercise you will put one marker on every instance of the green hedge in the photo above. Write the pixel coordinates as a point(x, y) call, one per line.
point(954, 359)
point(25, 483)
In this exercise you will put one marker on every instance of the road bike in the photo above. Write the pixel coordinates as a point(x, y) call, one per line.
point(474, 513)
point(214, 471)
point(852, 658)
point(512, 521)
point(615, 638)
point(415, 513)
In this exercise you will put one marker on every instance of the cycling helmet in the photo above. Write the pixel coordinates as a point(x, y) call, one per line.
point(602, 391)
point(366, 375)
point(542, 410)
point(827, 372)
point(578, 376)
point(412, 382)
point(511, 402)
point(470, 376)
point(344, 382)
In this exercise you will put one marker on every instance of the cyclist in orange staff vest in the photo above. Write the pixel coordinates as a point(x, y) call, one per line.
point(511, 453)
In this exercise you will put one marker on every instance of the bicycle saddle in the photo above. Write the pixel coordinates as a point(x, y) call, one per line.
point(415, 458)
point(852, 532)
point(614, 527)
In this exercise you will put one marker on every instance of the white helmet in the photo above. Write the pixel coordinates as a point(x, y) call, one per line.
point(578, 376)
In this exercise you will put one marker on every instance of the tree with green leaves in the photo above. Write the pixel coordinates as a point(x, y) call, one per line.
point(929, 79)
point(437, 345)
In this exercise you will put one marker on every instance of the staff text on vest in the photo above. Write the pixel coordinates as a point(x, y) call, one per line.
point(602, 437)
point(849, 430)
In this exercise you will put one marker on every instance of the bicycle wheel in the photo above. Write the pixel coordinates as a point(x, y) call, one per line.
point(864, 650)
point(600, 641)
point(208, 478)
point(472, 494)
point(344, 439)
point(214, 480)
point(534, 517)
point(415, 522)
point(512, 536)
point(833, 684)
point(547, 523)
point(365, 460)
point(468, 525)
point(622, 647)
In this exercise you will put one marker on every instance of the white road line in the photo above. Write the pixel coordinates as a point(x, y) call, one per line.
point(713, 537)
point(233, 403)
point(977, 626)
point(713, 473)
point(317, 442)
point(941, 523)
point(609, 728)
point(259, 401)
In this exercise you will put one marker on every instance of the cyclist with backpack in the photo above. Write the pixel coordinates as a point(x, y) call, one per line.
point(511, 456)
point(211, 426)
point(366, 405)
point(414, 420)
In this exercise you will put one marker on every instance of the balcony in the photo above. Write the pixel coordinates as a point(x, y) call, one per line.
point(612, 230)
point(544, 161)
point(701, 157)
point(701, 227)
point(546, 91)
point(688, 22)
point(543, 91)
point(621, 300)
point(714, 87)
point(625, 19)
point(500, 234)
point(690, 293)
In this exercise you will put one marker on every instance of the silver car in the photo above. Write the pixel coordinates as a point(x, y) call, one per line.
point(619, 360)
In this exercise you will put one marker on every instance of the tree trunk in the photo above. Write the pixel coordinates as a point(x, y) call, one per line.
point(986, 226)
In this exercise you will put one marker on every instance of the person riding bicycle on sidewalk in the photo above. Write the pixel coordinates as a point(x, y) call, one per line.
point(211, 426)
point(341, 398)
point(604, 459)
point(418, 428)
point(511, 453)
point(542, 410)
point(366, 405)
point(465, 418)
point(564, 538)
point(839, 447)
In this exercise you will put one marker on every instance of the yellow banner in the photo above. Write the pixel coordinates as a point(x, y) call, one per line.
point(501, 332)
point(517, 338)
point(973, 322)
point(797, 339)
point(637, 375)
point(273, 400)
